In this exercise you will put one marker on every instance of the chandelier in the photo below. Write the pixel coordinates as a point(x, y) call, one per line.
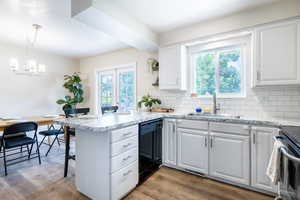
point(30, 66)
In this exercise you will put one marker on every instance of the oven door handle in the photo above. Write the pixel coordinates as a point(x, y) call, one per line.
point(285, 153)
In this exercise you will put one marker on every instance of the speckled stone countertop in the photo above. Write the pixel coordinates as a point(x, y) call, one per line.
point(116, 121)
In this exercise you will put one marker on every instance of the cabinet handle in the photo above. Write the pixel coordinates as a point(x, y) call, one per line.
point(205, 141)
point(173, 128)
point(258, 75)
point(127, 173)
point(254, 138)
point(126, 134)
point(126, 145)
point(211, 142)
point(124, 159)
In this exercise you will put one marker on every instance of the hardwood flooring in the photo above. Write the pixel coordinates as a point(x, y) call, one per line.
point(170, 184)
point(30, 181)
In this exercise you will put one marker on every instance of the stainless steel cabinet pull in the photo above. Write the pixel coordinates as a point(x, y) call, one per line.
point(173, 128)
point(124, 159)
point(211, 142)
point(254, 138)
point(126, 134)
point(127, 173)
point(205, 141)
point(126, 145)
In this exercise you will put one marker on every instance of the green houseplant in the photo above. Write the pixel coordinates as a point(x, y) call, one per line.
point(73, 85)
point(148, 102)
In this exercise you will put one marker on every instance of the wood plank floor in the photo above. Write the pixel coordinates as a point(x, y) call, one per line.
point(30, 181)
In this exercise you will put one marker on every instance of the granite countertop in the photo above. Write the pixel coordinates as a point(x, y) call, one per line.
point(116, 121)
point(107, 122)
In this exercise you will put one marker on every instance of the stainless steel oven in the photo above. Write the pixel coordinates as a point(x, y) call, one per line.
point(290, 164)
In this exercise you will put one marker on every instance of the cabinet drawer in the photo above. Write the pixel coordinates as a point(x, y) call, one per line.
point(123, 181)
point(121, 134)
point(123, 159)
point(123, 145)
point(193, 124)
point(230, 128)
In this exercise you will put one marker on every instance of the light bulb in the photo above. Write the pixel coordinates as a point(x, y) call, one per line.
point(42, 68)
point(14, 64)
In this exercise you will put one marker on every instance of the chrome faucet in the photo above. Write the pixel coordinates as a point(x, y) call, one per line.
point(216, 106)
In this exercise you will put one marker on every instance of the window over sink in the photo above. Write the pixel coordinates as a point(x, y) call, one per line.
point(219, 67)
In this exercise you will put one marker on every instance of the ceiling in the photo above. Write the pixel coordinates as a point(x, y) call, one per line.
point(66, 36)
point(165, 15)
point(60, 33)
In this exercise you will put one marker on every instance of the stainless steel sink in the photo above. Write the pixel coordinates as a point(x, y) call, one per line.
point(214, 115)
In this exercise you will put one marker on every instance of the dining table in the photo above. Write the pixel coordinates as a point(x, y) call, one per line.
point(40, 120)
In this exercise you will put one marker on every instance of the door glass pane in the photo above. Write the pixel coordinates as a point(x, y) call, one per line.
point(230, 71)
point(106, 94)
point(126, 91)
point(205, 73)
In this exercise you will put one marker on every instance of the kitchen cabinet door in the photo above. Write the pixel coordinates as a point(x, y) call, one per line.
point(169, 142)
point(230, 157)
point(172, 68)
point(193, 150)
point(262, 145)
point(276, 54)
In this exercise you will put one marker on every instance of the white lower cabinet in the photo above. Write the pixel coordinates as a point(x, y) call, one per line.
point(124, 181)
point(262, 145)
point(193, 150)
point(224, 151)
point(169, 142)
point(230, 157)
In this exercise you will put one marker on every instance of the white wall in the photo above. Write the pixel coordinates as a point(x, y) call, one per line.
point(264, 14)
point(145, 78)
point(23, 95)
point(267, 102)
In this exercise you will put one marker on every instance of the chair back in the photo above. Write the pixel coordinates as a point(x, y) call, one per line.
point(23, 127)
point(109, 109)
point(70, 112)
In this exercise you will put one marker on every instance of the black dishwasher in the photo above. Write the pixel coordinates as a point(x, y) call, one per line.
point(150, 148)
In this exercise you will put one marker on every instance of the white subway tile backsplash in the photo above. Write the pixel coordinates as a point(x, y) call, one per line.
point(265, 102)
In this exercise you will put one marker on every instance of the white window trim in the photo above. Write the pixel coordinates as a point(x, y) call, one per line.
point(114, 69)
point(242, 43)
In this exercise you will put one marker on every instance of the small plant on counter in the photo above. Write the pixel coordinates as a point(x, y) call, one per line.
point(148, 102)
point(74, 86)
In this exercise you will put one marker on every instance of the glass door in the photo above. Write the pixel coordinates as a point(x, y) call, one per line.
point(107, 92)
point(117, 87)
point(126, 89)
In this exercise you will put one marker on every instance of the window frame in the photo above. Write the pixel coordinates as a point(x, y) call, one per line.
point(115, 70)
point(242, 43)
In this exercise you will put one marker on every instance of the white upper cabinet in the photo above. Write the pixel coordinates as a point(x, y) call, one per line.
point(193, 150)
point(172, 68)
point(262, 145)
point(276, 54)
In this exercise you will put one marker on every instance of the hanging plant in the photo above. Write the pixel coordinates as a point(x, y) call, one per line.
point(153, 64)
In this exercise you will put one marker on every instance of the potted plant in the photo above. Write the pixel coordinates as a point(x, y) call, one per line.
point(148, 102)
point(74, 86)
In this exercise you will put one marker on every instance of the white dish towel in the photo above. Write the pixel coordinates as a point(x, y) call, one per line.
point(273, 170)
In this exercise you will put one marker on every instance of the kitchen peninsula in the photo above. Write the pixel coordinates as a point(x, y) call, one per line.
point(107, 153)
